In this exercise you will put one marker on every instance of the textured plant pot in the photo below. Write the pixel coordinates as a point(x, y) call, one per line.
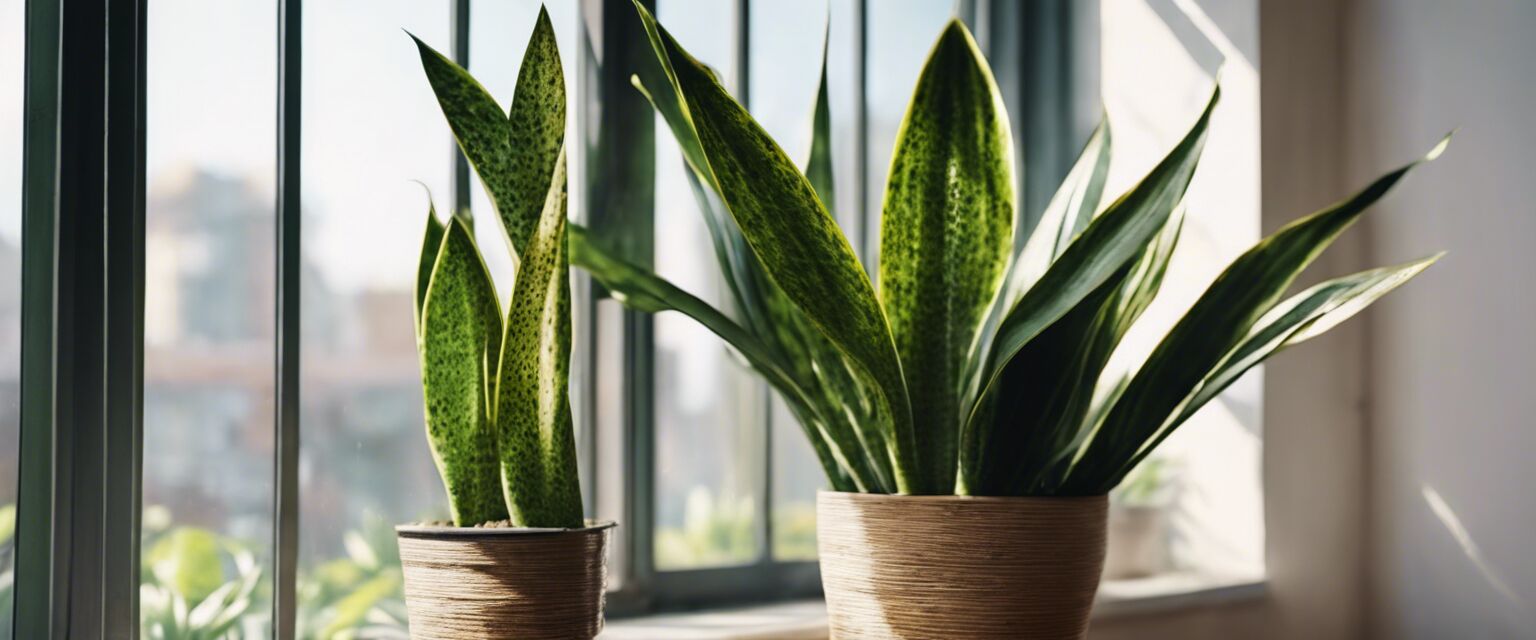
point(959, 567)
point(504, 583)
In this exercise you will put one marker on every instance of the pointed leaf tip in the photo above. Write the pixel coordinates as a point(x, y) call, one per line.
point(1440, 146)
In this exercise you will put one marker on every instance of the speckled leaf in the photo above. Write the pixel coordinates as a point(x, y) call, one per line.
point(1217, 323)
point(799, 244)
point(533, 408)
point(513, 154)
point(946, 235)
point(461, 332)
point(642, 290)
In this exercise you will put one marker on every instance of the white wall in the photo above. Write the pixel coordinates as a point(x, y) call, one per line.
point(1452, 357)
point(1400, 450)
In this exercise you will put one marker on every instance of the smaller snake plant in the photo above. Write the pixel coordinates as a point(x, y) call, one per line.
point(977, 364)
point(495, 381)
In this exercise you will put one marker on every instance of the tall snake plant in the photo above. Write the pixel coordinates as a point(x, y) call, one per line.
point(972, 368)
point(496, 384)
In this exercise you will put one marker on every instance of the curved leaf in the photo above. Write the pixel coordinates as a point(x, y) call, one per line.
point(799, 244)
point(461, 332)
point(533, 408)
point(1299, 318)
point(946, 235)
point(1112, 240)
point(1068, 212)
point(431, 241)
point(513, 154)
point(644, 291)
point(1218, 322)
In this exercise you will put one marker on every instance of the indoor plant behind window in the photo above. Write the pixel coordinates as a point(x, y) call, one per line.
point(959, 412)
point(518, 560)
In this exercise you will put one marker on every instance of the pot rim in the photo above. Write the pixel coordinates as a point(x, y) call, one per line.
point(856, 496)
point(433, 531)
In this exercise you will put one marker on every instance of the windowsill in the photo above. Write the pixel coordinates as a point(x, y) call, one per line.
point(807, 619)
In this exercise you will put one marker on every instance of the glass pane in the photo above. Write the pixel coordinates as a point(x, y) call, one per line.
point(1197, 504)
point(364, 462)
point(709, 411)
point(784, 59)
point(12, 14)
point(208, 307)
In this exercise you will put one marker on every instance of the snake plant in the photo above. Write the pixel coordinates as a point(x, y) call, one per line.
point(973, 368)
point(495, 381)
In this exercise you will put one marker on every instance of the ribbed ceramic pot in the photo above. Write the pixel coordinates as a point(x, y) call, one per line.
point(463, 582)
point(920, 567)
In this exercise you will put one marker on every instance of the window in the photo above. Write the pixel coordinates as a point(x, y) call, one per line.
point(209, 307)
point(1199, 503)
point(704, 467)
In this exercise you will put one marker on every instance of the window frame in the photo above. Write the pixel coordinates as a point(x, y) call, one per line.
point(79, 484)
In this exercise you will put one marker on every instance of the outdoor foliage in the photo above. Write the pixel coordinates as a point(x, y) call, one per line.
point(495, 381)
point(972, 368)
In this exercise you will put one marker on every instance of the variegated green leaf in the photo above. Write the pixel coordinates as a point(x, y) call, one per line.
point(461, 332)
point(797, 241)
point(533, 408)
point(1219, 320)
point(946, 235)
point(1068, 212)
point(642, 290)
point(818, 168)
point(514, 154)
point(1298, 319)
point(1110, 241)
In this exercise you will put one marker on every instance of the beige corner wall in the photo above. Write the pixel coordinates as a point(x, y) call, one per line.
point(1314, 406)
point(1453, 356)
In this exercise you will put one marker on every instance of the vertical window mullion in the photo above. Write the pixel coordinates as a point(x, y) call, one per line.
point(460, 42)
point(124, 314)
point(286, 516)
point(764, 502)
point(82, 252)
point(617, 130)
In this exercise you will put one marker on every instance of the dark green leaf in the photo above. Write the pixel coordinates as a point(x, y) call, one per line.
point(1068, 212)
point(1111, 240)
point(798, 243)
point(1217, 323)
point(1298, 319)
point(639, 289)
point(946, 235)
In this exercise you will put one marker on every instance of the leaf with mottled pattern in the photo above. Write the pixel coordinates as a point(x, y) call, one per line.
point(533, 408)
point(461, 325)
point(512, 153)
point(800, 245)
point(945, 236)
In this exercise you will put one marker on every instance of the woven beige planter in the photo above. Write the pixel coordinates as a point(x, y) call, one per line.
point(465, 583)
point(955, 567)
